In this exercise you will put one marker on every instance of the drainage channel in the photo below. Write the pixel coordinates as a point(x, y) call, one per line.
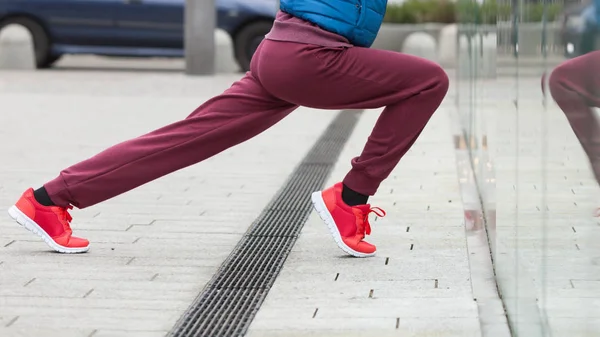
point(230, 300)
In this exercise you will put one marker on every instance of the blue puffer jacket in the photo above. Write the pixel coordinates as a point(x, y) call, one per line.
point(357, 20)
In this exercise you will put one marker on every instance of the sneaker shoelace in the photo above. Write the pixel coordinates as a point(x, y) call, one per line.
point(66, 217)
point(362, 222)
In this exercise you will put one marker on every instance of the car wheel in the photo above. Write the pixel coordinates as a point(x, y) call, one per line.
point(247, 40)
point(51, 60)
point(41, 41)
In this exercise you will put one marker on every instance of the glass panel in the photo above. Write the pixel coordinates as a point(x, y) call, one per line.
point(528, 122)
point(569, 266)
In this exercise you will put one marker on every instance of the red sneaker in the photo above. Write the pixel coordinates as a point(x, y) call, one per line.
point(347, 224)
point(51, 223)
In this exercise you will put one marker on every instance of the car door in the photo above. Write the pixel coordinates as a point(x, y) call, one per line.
point(77, 22)
point(151, 23)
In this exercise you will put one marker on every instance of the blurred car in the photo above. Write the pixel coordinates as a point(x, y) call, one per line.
point(573, 23)
point(145, 28)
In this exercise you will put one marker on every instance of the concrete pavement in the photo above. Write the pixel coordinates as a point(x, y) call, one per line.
point(154, 248)
point(419, 284)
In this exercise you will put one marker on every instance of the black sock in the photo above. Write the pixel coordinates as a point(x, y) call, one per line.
point(353, 198)
point(42, 197)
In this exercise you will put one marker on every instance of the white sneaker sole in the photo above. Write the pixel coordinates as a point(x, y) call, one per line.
point(31, 226)
point(321, 208)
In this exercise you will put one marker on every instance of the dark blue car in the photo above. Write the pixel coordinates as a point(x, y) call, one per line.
point(130, 27)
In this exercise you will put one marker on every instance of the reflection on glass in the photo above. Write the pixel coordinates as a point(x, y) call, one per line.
point(528, 85)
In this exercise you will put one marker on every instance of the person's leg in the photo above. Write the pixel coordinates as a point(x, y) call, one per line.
point(575, 86)
point(409, 87)
point(241, 112)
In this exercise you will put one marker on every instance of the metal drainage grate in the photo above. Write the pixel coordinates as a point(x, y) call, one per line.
point(231, 299)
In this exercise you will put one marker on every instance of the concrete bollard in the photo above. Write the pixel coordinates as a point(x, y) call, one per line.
point(421, 44)
point(16, 48)
point(224, 54)
point(447, 52)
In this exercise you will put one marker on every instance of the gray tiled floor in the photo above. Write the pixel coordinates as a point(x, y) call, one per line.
point(419, 282)
point(154, 248)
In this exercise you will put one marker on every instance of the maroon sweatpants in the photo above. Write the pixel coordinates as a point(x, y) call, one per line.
point(575, 86)
point(283, 76)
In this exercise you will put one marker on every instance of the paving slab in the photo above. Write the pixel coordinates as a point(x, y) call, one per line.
point(154, 248)
point(420, 276)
